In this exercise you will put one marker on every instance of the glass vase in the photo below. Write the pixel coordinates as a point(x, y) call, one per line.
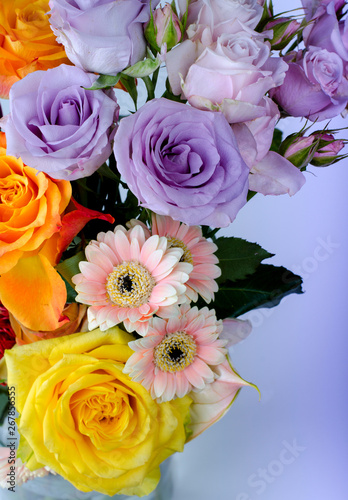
point(54, 487)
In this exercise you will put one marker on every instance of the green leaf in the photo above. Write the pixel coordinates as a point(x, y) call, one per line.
point(105, 82)
point(106, 171)
point(277, 139)
point(265, 288)
point(129, 84)
point(4, 403)
point(238, 258)
point(24, 452)
point(69, 267)
point(142, 68)
point(168, 94)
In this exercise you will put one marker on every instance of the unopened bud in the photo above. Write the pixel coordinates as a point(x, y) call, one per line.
point(327, 151)
point(320, 149)
point(284, 29)
point(299, 151)
point(163, 28)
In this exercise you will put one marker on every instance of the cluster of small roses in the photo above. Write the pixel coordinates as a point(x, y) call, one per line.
point(146, 279)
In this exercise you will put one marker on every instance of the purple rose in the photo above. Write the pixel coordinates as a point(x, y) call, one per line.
point(314, 87)
point(327, 33)
point(316, 8)
point(326, 68)
point(182, 162)
point(101, 36)
point(58, 127)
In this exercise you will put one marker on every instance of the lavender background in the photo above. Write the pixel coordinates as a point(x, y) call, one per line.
point(296, 355)
point(292, 444)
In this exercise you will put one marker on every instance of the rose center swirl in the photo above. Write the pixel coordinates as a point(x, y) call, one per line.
point(175, 352)
point(176, 243)
point(129, 285)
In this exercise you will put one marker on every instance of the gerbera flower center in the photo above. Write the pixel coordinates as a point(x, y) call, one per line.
point(174, 242)
point(129, 285)
point(175, 352)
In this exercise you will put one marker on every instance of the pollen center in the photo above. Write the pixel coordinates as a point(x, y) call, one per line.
point(129, 285)
point(175, 352)
point(175, 242)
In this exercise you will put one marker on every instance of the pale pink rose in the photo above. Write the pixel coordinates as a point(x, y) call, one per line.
point(262, 127)
point(179, 60)
point(219, 16)
point(275, 175)
point(213, 402)
point(270, 173)
point(231, 76)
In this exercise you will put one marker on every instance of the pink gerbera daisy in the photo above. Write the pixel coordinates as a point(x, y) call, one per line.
point(198, 251)
point(128, 278)
point(176, 354)
point(22, 473)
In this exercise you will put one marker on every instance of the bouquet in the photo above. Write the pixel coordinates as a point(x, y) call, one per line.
point(119, 298)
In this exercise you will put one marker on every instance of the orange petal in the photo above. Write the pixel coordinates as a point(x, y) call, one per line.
point(34, 293)
point(2, 143)
point(74, 221)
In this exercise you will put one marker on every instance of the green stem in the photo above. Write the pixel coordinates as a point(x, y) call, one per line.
point(149, 87)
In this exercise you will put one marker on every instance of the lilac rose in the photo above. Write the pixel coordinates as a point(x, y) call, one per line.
point(57, 126)
point(316, 8)
point(328, 33)
point(314, 87)
point(101, 36)
point(182, 162)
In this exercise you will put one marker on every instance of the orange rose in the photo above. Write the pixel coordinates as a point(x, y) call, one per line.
point(75, 313)
point(31, 205)
point(30, 208)
point(27, 42)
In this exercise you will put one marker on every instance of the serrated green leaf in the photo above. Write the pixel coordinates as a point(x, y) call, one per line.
point(105, 82)
point(142, 68)
point(265, 288)
point(69, 267)
point(238, 258)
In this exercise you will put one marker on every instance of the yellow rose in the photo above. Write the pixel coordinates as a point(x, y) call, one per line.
point(88, 421)
point(27, 42)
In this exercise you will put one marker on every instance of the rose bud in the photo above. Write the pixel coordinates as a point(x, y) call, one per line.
point(163, 28)
point(284, 30)
point(298, 149)
point(327, 150)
